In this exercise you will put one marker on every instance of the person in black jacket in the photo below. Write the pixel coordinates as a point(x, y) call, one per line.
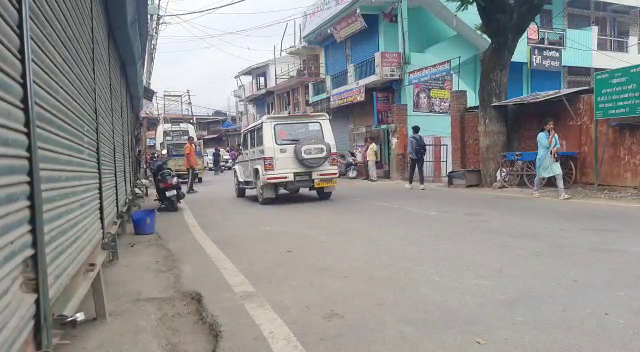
point(417, 150)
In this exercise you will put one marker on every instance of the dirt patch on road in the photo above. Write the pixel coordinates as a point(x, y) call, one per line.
point(148, 309)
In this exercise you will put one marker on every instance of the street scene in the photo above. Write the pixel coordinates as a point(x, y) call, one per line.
point(319, 175)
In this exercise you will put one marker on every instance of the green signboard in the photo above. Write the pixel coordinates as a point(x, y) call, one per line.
point(617, 93)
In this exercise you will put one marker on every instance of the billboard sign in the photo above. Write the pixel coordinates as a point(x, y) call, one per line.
point(546, 59)
point(320, 12)
point(383, 105)
point(617, 93)
point(348, 26)
point(349, 96)
point(432, 86)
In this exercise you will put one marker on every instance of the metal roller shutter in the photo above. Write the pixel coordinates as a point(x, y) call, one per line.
point(340, 125)
point(364, 44)
point(65, 109)
point(116, 109)
point(127, 142)
point(335, 57)
point(103, 96)
point(17, 308)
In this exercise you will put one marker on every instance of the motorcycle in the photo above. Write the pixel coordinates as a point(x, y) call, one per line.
point(348, 167)
point(168, 189)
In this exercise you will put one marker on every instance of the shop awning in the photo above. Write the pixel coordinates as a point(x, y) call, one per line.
point(542, 96)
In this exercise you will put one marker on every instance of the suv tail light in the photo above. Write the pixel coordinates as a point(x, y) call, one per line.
point(268, 164)
point(334, 159)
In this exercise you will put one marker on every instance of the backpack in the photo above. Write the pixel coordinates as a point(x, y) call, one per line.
point(420, 148)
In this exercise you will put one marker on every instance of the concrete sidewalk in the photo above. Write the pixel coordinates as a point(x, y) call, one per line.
point(148, 309)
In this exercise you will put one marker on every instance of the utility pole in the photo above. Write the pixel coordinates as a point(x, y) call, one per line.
point(193, 118)
point(152, 44)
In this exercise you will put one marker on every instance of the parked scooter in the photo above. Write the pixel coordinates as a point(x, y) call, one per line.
point(168, 189)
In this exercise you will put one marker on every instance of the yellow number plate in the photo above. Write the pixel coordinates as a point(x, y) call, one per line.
point(325, 183)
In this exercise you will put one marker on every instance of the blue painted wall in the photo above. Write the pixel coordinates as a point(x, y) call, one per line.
point(516, 82)
point(542, 81)
point(388, 36)
point(425, 30)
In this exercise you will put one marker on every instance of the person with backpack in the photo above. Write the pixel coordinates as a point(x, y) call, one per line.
point(417, 150)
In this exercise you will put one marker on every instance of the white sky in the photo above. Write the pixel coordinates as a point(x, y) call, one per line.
point(188, 57)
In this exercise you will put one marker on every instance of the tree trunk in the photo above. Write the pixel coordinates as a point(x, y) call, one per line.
point(495, 63)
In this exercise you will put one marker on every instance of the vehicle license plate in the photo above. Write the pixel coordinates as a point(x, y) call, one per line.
point(325, 183)
point(172, 193)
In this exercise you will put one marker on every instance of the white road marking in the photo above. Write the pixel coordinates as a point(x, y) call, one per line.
point(278, 335)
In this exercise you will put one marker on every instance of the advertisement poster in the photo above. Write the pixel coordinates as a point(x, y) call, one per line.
point(546, 59)
point(391, 64)
point(349, 96)
point(432, 86)
point(348, 26)
point(383, 104)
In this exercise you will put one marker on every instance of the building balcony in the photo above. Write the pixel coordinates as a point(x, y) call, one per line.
point(374, 71)
point(319, 88)
point(553, 38)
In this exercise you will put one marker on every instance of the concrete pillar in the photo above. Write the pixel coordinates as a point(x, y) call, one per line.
point(399, 150)
point(458, 111)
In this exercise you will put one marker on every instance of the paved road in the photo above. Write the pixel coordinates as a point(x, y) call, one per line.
point(381, 268)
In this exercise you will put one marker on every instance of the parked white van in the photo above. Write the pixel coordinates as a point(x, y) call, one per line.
point(287, 152)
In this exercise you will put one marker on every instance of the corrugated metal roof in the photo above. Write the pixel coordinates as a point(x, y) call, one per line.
point(540, 96)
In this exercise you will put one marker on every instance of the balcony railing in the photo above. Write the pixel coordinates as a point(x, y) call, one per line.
point(618, 45)
point(319, 87)
point(340, 79)
point(365, 69)
point(554, 38)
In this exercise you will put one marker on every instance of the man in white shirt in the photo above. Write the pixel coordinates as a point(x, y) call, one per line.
point(372, 157)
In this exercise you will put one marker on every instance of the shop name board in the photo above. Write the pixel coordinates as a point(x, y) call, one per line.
point(349, 96)
point(440, 70)
point(319, 12)
point(546, 59)
point(617, 93)
point(348, 26)
point(390, 65)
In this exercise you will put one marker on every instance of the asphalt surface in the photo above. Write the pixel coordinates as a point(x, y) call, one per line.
point(382, 268)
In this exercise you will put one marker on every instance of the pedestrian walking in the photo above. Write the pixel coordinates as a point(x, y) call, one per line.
point(217, 156)
point(372, 157)
point(365, 165)
point(547, 164)
point(191, 162)
point(417, 150)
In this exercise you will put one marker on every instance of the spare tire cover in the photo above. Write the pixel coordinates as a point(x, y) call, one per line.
point(312, 151)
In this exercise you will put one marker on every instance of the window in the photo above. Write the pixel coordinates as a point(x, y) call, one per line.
point(575, 21)
point(245, 141)
point(546, 19)
point(292, 133)
point(579, 4)
point(259, 136)
point(252, 141)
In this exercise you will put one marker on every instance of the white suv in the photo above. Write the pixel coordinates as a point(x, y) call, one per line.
point(287, 152)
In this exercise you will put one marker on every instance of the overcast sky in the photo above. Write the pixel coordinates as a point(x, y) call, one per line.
point(195, 53)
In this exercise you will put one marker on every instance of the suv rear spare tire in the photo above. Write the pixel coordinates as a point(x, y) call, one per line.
point(312, 152)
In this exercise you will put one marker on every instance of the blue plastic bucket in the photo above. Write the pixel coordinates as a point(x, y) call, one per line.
point(144, 221)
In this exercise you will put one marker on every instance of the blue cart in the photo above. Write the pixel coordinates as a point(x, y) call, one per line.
point(515, 166)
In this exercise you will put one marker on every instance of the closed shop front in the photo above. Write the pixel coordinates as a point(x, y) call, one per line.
point(68, 107)
point(340, 124)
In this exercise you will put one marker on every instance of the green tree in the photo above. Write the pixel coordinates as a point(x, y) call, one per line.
point(503, 22)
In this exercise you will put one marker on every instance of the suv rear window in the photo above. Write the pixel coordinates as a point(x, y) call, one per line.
point(291, 133)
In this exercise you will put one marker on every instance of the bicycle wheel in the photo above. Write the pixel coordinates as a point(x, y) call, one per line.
point(568, 172)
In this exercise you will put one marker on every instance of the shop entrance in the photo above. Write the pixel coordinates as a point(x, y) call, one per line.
point(380, 136)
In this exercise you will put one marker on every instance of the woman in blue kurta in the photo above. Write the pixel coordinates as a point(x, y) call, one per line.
point(546, 162)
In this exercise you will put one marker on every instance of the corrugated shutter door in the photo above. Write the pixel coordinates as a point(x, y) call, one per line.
point(116, 108)
point(335, 57)
point(108, 178)
point(17, 308)
point(340, 126)
point(364, 44)
point(65, 108)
